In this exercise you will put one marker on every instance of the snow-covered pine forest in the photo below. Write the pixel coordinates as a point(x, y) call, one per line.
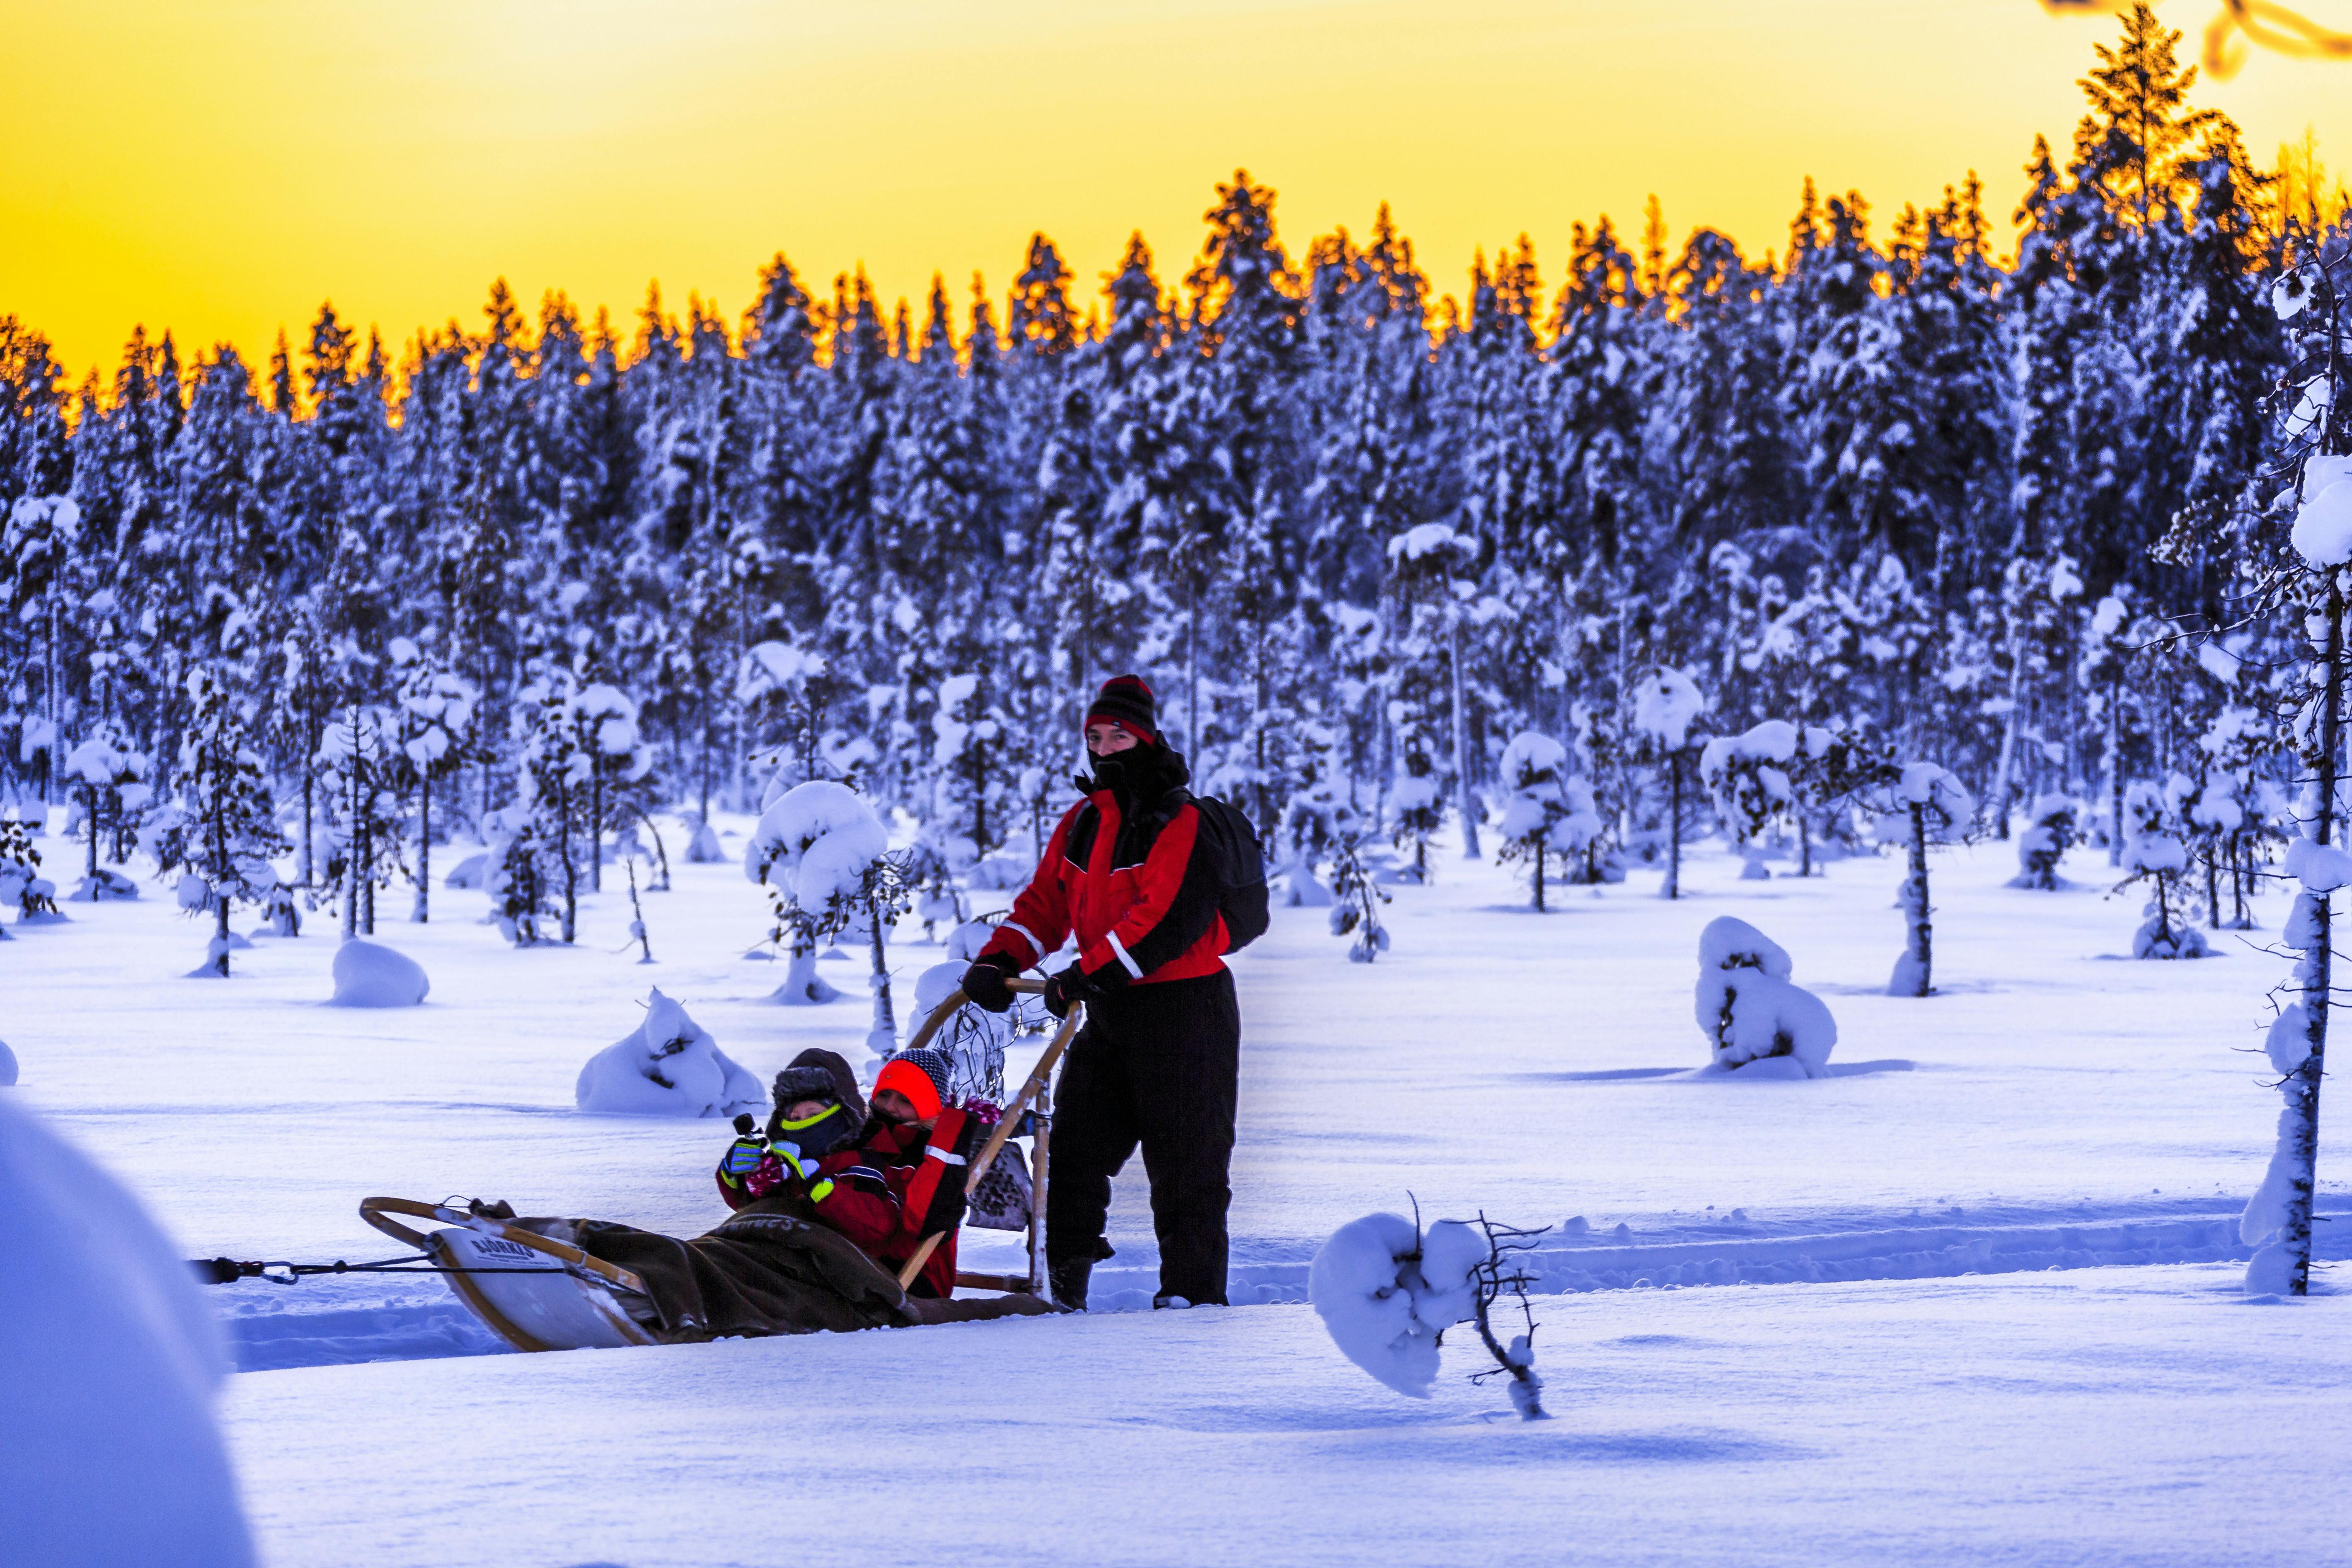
point(2001, 513)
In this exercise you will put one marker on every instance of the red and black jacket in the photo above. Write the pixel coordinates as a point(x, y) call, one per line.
point(1133, 880)
point(889, 1191)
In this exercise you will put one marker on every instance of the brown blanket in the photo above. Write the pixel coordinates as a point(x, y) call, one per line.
point(768, 1269)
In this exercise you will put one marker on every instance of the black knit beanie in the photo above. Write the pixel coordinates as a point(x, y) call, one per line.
point(1127, 702)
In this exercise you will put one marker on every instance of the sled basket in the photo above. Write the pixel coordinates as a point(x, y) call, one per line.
point(1004, 1199)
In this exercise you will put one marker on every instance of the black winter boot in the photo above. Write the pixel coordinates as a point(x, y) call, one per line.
point(1068, 1281)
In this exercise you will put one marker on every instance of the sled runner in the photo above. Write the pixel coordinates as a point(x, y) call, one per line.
point(534, 1292)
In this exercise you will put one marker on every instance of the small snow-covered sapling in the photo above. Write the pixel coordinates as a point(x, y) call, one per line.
point(2054, 827)
point(2154, 854)
point(1750, 1010)
point(1356, 903)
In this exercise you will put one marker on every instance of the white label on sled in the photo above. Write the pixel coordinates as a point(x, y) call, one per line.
point(558, 1308)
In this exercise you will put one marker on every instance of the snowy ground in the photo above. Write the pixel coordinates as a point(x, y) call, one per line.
point(2055, 1107)
point(2110, 1415)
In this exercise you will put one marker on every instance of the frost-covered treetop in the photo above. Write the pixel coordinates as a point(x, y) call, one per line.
point(1939, 789)
point(1429, 539)
point(768, 668)
point(1532, 758)
point(1665, 704)
point(814, 846)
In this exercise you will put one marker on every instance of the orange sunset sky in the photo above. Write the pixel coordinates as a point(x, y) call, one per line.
point(219, 168)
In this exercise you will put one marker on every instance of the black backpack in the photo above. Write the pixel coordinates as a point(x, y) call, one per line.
point(1240, 869)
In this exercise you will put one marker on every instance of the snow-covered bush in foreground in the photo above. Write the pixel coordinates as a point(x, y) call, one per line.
point(111, 1359)
point(7, 1066)
point(21, 882)
point(1750, 1011)
point(369, 975)
point(2055, 827)
point(1386, 1290)
point(2152, 852)
point(668, 1065)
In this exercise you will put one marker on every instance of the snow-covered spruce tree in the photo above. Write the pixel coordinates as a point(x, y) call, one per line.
point(1750, 779)
point(1356, 901)
point(433, 734)
point(523, 873)
point(2316, 401)
point(1430, 566)
point(2038, 613)
point(304, 702)
point(1938, 810)
point(355, 772)
point(2052, 827)
point(2109, 643)
point(812, 850)
point(1667, 703)
point(234, 820)
point(605, 721)
point(98, 770)
point(2153, 853)
point(554, 770)
point(1415, 807)
point(1548, 812)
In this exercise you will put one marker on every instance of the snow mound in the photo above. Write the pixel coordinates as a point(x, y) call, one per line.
point(1385, 1293)
point(111, 1359)
point(668, 1065)
point(369, 975)
point(469, 872)
point(1749, 1009)
point(7, 1066)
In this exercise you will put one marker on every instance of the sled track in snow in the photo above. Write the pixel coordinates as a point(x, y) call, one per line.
point(328, 1323)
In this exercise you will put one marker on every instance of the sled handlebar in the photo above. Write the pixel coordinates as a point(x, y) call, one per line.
point(1039, 1076)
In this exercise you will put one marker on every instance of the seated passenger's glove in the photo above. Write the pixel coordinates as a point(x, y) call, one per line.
point(983, 983)
point(742, 1157)
point(1064, 988)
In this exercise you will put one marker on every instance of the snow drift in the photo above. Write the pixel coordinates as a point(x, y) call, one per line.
point(369, 975)
point(1750, 1011)
point(111, 1359)
point(1385, 1293)
point(668, 1065)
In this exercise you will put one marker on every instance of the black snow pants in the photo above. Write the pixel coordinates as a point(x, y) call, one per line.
point(1157, 1065)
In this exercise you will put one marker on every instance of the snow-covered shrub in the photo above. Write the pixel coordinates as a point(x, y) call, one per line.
point(368, 975)
point(7, 1066)
point(111, 1361)
point(1749, 1009)
point(1386, 1290)
point(812, 850)
point(2055, 825)
point(2153, 853)
point(1548, 812)
point(702, 844)
point(518, 874)
point(1415, 807)
point(1356, 903)
point(668, 1065)
point(21, 882)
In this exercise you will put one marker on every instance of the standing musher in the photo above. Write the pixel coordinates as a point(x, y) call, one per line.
point(1130, 873)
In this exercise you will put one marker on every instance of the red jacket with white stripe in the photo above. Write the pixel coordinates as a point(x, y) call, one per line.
point(1138, 888)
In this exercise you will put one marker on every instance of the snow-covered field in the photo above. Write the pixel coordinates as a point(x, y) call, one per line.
point(1842, 1394)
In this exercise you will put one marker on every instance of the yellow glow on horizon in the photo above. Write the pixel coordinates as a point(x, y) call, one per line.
point(219, 170)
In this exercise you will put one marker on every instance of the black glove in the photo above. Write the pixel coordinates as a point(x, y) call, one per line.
point(983, 983)
point(1064, 988)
